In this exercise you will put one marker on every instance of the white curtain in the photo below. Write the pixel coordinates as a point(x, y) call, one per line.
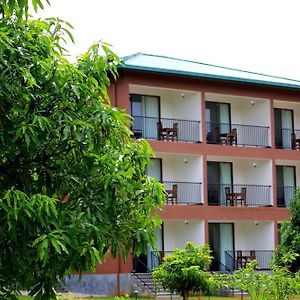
point(150, 110)
point(287, 126)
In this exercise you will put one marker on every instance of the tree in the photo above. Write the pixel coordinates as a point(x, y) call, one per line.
point(288, 252)
point(184, 271)
point(72, 182)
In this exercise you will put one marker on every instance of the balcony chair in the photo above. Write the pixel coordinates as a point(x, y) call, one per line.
point(161, 133)
point(228, 195)
point(172, 195)
point(295, 142)
point(167, 133)
point(242, 197)
point(173, 133)
point(252, 254)
point(231, 138)
point(239, 259)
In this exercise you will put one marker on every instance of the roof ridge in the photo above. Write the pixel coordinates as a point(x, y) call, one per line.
point(211, 65)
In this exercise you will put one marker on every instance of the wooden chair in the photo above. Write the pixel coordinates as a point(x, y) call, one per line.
point(172, 195)
point(161, 134)
point(173, 135)
point(239, 259)
point(231, 138)
point(252, 254)
point(228, 195)
point(242, 197)
point(295, 143)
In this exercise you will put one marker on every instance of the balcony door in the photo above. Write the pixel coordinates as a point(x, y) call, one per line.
point(221, 239)
point(284, 126)
point(154, 170)
point(219, 175)
point(145, 111)
point(217, 120)
point(286, 182)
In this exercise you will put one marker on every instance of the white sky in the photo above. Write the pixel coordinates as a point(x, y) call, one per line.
point(254, 35)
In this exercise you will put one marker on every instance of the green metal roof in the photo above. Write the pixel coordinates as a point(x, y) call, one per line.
point(180, 67)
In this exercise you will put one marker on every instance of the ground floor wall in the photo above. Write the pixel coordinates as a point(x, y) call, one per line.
point(101, 284)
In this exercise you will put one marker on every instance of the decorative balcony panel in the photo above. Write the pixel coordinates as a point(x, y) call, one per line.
point(148, 127)
point(183, 192)
point(239, 258)
point(237, 134)
point(232, 195)
point(284, 195)
point(287, 138)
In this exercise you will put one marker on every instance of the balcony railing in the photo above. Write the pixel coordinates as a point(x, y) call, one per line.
point(287, 138)
point(246, 135)
point(284, 195)
point(146, 127)
point(183, 192)
point(237, 259)
point(256, 195)
point(157, 257)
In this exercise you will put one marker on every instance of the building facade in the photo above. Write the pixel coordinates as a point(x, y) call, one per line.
point(227, 145)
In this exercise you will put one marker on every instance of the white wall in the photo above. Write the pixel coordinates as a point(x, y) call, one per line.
point(178, 233)
point(245, 173)
point(254, 236)
point(182, 168)
point(242, 112)
point(175, 104)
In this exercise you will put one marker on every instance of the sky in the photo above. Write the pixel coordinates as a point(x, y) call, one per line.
point(255, 35)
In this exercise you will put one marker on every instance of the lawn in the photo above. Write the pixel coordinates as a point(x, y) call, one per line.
point(167, 298)
point(140, 298)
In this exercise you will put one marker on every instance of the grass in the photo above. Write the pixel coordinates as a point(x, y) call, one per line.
point(125, 298)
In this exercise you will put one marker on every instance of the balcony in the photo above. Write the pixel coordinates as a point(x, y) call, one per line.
point(239, 258)
point(287, 138)
point(237, 134)
point(148, 128)
point(284, 195)
point(183, 192)
point(256, 195)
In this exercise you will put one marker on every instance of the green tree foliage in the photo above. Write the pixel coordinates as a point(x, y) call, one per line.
point(288, 252)
point(19, 8)
point(72, 182)
point(281, 284)
point(185, 271)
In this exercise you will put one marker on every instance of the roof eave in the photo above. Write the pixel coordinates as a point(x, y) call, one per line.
point(209, 76)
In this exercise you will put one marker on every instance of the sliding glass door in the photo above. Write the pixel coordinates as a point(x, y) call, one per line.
point(221, 239)
point(145, 111)
point(217, 120)
point(155, 169)
point(286, 182)
point(283, 127)
point(219, 175)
